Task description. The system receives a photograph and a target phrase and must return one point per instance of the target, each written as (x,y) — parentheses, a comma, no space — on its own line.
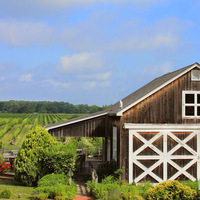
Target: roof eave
(120,113)
(73,122)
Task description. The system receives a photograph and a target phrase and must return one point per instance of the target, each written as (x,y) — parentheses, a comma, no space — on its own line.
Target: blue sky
(92,51)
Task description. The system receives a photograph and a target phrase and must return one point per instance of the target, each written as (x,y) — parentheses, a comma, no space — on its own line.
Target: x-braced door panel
(163,154)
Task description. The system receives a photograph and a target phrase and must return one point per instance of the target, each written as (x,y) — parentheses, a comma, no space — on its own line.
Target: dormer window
(191,104)
(195,75)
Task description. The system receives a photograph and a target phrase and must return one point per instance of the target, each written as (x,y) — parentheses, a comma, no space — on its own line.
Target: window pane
(189,110)
(189,98)
(198,110)
(198,98)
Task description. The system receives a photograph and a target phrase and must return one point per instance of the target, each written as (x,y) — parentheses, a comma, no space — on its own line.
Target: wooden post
(94,176)
(70,176)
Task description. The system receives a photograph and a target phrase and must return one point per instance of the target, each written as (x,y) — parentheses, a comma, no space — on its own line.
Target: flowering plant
(4,166)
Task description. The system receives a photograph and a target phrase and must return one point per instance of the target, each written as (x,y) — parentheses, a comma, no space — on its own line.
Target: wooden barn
(154,133)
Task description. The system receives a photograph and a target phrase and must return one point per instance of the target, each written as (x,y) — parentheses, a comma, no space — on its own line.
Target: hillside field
(14,126)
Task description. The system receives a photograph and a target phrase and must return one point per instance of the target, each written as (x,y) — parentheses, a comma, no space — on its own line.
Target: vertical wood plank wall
(164,106)
(96,127)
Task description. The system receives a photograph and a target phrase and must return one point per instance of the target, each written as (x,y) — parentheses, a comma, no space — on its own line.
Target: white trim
(130,157)
(73,122)
(120,113)
(158,127)
(198,158)
(195,104)
(163,156)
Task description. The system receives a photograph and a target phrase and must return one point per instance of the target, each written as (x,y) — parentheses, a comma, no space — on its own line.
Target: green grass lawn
(16,188)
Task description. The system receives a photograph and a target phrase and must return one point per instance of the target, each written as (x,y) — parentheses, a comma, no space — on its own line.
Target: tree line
(13,106)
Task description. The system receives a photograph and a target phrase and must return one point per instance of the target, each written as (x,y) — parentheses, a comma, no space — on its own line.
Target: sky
(93,52)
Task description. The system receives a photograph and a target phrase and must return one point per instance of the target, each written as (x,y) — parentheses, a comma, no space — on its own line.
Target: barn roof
(132,99)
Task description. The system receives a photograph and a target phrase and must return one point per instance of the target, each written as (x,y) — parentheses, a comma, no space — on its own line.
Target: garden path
(83,192)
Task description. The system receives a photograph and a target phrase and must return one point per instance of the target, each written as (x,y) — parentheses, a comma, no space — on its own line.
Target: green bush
(52,180)
(5,193)
(29,164)
(110,168)
(101,191)
(112,189)
(56,186)
(60,158)
(1,144)
(171,190)
(41,196)
(191,184)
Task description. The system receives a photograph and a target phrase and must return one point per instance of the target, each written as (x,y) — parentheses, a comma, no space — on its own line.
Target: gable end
(151,92)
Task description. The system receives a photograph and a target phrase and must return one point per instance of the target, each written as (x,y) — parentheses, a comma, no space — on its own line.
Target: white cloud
(157,70)
(80,63)
(65,3)
(132,35)
(90,85)
(105,83)
(20,33)
(95,34)
(61,3)
(100,76)
(26,77)
(86,70)
(43,8)
(165,33)
(57,84)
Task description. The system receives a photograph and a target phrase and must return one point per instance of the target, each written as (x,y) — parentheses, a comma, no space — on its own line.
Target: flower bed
(4,166)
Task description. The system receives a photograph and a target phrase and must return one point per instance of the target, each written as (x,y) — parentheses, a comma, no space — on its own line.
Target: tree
(29,166)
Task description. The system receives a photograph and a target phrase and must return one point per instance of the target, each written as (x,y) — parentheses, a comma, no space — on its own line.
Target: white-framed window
(191,104)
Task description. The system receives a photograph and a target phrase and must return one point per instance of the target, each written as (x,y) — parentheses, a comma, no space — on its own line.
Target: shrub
(101,191)
(137,197)
(144,188)
(110,189)
(110,168)
(60,158)
(1,144)
(56,186)
(135,192)
(52,180)
(29,166)
(171,190)
(41,196)
(5,193)
(191,184)
(113,195)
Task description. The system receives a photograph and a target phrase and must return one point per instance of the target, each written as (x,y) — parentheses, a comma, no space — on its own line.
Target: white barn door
(159,153)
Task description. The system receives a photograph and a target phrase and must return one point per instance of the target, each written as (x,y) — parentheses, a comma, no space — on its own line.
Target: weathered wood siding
(165,106)
(96,127)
